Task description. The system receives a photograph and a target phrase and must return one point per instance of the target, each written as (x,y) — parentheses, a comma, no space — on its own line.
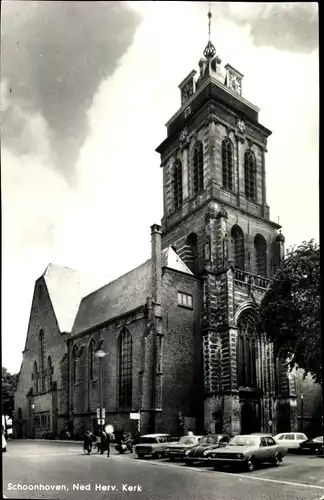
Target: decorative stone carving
(210,214)
(184,139)
(241,126)
(186,92)
(222,213)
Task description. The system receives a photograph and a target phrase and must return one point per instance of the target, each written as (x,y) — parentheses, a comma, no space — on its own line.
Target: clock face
(186,92)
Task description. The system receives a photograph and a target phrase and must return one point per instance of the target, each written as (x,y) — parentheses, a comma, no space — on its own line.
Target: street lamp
(301,412)
(101,354)
(33,417)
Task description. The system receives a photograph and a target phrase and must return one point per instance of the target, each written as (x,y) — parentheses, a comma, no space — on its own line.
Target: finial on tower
(210,50)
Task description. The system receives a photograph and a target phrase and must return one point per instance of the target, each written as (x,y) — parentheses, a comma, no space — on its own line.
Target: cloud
(284,26)
(54,57)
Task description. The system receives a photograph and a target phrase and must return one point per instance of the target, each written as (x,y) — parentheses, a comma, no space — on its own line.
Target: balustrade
(251,279)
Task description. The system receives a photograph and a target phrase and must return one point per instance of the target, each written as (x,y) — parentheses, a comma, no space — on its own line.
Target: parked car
(153,444)
(212,441)
(4,443)
(290,440)
(314,445)
(178,450)
(247,451)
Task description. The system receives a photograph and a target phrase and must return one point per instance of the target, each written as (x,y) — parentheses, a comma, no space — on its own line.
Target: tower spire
(210,50)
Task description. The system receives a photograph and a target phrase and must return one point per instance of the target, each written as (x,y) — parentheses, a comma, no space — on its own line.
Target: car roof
(261,434)
(253,435)
(154,435)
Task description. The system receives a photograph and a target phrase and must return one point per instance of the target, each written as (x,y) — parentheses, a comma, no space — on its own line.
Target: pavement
(60,470)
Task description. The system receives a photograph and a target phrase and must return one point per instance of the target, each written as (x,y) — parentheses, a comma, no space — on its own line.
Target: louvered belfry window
(260,250)
(249,175)
(227,164)
(198,168)
(247,350)
(91,359)
(238,247)
(125,359)
(177,184)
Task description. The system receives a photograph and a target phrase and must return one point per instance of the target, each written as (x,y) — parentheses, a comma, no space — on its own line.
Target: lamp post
(301,412)
(33,417)
(101,354)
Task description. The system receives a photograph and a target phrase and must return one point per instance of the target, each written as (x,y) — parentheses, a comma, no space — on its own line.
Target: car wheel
(4,449)
(187,462)
(140,456)
(157,455)
(171,459)
(250,464)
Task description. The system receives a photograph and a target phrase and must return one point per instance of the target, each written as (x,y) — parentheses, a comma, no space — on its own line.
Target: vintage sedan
(247,451)
(198,453)
(153,445)
(178,450)
(314,445)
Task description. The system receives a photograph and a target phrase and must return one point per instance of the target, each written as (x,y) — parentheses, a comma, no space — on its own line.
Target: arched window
(125,369)
(74,363)
(247,350)
(177,184)
(35,377)
(49,372)
(238,247)
(91,359)
(198,168)
(227,164)
(190,252)
(249,175)
(42,361)
(260,250)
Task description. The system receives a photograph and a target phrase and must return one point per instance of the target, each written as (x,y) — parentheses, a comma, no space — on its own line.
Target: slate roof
(66,287)
(122,295)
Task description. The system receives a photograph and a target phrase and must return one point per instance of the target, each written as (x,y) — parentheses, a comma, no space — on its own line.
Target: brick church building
(178,333)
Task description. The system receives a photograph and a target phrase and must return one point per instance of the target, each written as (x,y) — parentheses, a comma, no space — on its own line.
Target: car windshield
(244,441)
(209,440)
(148,440)
(188,440)
(319,439)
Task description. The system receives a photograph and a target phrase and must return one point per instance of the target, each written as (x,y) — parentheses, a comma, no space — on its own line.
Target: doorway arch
(249,421)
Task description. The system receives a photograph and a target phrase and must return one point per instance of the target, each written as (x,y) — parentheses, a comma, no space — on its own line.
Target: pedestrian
(108,445)
(103,438)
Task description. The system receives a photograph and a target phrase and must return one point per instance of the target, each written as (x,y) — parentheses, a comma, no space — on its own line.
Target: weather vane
(210,50)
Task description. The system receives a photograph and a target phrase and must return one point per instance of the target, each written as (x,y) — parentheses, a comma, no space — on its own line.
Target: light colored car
(4,443)
(178,449)
(209,442)
(153,444)
(247,451)
(290,440)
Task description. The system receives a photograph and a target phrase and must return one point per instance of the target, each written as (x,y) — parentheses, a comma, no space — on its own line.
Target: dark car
(314,445)
(212,441)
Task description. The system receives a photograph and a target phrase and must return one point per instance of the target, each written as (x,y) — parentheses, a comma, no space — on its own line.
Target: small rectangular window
(185,300)
(187,111)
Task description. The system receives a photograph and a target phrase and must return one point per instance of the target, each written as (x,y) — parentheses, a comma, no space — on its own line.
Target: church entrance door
(249,421)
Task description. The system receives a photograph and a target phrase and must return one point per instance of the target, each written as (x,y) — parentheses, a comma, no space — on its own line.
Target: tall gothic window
(260,250)
(125,369)
(91,359)
(42,360)
(238,247)
(247,350)
(198,168)
(177,184)
(227,164)
(35,378)
(49,372)
(74,363)
(249,175)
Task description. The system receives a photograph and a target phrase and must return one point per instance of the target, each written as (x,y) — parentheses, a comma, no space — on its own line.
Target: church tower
(217,219)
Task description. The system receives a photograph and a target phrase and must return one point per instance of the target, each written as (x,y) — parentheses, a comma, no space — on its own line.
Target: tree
(290,310)
(9,384)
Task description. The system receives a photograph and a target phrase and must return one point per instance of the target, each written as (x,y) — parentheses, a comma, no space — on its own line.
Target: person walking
(103,440)
(108,445)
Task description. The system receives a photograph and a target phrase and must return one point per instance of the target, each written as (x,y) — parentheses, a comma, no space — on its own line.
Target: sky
(86,90)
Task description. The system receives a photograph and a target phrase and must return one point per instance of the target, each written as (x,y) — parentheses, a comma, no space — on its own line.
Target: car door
(263,451)
(272,447)
(289,440)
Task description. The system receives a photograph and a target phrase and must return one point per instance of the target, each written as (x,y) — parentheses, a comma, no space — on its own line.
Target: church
(173,341)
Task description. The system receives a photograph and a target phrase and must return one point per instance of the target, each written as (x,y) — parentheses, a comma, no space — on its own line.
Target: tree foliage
(290,309)
(9,384)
